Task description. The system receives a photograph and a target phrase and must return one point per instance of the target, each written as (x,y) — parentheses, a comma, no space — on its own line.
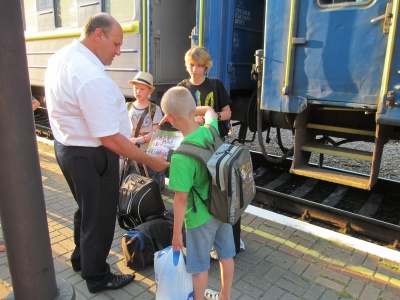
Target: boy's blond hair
(178,102)
(200,55)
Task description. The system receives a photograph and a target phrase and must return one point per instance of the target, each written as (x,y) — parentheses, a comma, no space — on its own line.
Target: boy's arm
(180,203)
(225,113)
(206,111)
(147,137)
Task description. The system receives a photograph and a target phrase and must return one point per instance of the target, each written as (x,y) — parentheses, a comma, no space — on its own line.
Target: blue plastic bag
(172,280)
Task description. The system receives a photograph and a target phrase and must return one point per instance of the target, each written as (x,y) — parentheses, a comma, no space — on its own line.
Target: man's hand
(35,104)
(158,163)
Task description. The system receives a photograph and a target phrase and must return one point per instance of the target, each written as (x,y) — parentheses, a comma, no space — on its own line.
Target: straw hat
(144,78)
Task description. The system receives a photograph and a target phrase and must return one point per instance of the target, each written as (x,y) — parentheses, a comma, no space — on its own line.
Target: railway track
(42,125)
(369,215)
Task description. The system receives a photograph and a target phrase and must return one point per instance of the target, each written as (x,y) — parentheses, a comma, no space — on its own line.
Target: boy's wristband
(140,140)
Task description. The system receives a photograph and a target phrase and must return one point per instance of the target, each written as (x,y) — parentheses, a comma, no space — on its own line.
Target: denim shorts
(200,240)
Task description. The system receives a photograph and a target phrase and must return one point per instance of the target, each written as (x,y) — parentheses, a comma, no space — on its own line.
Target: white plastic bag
(172,280)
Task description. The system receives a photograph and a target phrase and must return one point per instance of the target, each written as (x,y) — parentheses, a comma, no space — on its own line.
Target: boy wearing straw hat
(144,117)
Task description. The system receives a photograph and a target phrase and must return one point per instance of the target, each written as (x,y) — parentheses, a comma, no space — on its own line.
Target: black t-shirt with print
(203,94)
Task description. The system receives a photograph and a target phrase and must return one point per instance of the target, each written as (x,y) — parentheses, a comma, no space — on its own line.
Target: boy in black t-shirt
(207,91)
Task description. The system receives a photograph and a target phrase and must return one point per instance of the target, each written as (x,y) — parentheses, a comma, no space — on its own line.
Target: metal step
(354,180)
(340,129)
(337,151)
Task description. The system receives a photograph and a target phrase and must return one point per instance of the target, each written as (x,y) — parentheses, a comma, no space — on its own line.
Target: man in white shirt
(90,124)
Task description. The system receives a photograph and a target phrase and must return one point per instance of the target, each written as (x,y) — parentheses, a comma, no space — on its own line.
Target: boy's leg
(227,267)
(200,281)
(225,247)
(199,241)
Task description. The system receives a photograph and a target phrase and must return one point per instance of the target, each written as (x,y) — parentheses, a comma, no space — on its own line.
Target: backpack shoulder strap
(213,82)
(201,153)
(153,108)
(217,139)
(139,124)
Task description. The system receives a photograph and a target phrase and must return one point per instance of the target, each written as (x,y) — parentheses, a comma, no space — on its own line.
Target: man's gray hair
(102,20)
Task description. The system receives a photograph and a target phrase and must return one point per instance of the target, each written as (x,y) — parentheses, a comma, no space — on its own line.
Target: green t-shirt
(187,172)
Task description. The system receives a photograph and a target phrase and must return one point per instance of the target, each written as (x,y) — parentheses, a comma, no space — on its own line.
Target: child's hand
(177,242)
(199,120)
(134,140)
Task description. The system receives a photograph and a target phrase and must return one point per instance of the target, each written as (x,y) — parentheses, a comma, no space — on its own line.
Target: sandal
(211,294)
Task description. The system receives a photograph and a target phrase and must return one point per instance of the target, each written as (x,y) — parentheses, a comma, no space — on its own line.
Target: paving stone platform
(279,262)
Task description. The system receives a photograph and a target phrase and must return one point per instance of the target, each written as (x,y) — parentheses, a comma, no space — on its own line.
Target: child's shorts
(200,240)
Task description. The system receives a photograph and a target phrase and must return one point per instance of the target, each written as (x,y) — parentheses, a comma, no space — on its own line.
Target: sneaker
(214,253)
(242,246)
(211,294)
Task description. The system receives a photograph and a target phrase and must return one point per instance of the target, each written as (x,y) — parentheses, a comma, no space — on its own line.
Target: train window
(332,3)
(44,5)
(121,10)
(67,14)
(30,13)
(45,14)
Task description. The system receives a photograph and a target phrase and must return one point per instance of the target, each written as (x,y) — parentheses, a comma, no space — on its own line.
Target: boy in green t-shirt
(202,229)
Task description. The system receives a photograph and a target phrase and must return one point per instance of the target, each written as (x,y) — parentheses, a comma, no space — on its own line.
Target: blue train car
(333,66)
(323,70)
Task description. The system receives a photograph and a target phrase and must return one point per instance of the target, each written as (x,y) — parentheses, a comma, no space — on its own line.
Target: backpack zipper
(217,165)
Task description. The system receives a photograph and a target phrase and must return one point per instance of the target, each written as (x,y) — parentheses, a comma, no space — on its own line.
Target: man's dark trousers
(92,175)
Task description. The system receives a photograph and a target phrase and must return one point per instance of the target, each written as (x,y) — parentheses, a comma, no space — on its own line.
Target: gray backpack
(230,170)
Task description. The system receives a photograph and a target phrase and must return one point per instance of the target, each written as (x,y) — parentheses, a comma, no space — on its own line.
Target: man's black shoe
(118,281)
(76,267)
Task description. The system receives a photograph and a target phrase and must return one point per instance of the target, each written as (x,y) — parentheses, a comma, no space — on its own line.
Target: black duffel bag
(140,243)
(139,201)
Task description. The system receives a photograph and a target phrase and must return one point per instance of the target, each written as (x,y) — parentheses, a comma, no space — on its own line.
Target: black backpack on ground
(140,243)
(139,201)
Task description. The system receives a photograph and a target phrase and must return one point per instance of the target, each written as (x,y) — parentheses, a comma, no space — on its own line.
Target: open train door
(334,52)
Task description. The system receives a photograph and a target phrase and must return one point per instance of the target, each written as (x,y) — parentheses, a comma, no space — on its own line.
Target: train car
(323,70)
(331,67)
(156,36)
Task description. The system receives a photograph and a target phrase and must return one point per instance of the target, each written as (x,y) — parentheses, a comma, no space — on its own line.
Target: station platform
(283,258)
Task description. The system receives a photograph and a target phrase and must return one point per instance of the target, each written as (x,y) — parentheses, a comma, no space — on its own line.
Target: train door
(232,31)
(171,24)
(333,52)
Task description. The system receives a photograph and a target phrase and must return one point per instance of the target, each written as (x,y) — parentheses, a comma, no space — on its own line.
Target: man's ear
(98,34)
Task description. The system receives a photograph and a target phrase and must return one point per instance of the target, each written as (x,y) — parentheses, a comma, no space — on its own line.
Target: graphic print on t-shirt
(209,100)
